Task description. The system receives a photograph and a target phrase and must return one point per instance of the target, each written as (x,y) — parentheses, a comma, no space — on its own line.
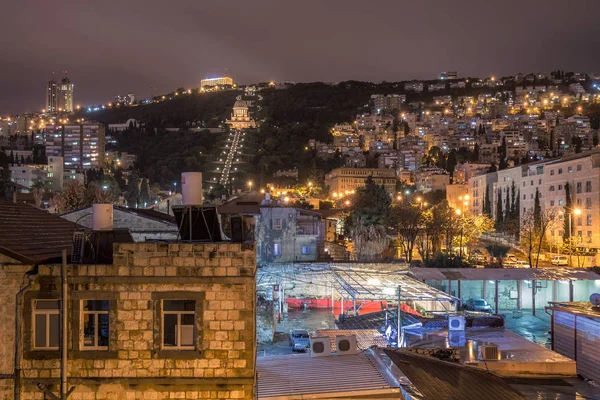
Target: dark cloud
(114,47)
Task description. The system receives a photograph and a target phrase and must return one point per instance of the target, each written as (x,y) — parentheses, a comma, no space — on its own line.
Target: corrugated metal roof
(467,274)
(440,380)
(302,376)
(31,235)
(365,338)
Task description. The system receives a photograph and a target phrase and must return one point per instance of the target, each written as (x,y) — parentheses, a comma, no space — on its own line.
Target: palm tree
(369,236)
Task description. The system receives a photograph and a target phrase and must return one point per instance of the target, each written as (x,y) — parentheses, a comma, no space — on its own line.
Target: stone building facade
(164,321)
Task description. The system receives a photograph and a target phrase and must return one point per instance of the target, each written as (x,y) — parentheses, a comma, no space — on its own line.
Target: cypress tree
(487,206)
(537,211)
(499,215)
(568,209)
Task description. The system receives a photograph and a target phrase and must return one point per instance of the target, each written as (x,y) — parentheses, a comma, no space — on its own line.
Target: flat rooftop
(300,376)
(479,274)
(518,356)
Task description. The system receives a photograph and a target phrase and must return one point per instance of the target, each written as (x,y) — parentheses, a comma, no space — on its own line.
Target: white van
(561,261)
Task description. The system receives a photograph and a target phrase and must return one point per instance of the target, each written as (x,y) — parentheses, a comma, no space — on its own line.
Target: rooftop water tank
(102,217)
(191,188)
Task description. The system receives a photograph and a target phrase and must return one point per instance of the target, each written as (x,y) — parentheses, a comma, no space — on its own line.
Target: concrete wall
(220,277)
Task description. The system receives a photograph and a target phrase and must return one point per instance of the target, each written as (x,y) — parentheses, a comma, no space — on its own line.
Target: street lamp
(250,185)
(458,212)
(576,211)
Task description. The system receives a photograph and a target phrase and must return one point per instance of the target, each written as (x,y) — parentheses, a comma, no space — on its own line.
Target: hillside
(210,108)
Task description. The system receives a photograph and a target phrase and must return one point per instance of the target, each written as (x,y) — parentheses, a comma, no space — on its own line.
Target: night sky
(114,47)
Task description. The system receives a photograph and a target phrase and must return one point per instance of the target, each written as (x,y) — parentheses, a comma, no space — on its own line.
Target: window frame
(47,312)
(170,353)
(179,314)
(96,314)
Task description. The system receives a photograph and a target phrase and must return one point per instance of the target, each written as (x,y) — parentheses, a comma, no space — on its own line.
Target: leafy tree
(367,224)
(533,231)
(407,218)
(71,198)
(302,203)
(498,251)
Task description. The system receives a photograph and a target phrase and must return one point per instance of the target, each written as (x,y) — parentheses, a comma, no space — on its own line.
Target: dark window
(179,326)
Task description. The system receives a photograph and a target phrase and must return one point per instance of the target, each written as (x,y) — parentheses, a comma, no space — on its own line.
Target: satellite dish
(595,299)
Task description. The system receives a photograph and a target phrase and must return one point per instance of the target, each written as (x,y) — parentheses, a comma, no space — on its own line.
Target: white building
(582,172)
(27,175)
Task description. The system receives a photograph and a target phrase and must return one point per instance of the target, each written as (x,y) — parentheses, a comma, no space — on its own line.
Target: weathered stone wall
(220,277)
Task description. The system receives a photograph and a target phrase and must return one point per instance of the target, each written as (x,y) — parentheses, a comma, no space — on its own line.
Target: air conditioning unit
(456,323)
(346,345)
(489,353)
(457,339)
(320,346)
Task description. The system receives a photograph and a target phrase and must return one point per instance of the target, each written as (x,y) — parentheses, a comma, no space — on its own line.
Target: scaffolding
(359,284)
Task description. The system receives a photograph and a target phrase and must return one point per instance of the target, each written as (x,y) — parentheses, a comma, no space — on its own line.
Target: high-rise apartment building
(52,96)
(65,98)
(59,96)
(81,146)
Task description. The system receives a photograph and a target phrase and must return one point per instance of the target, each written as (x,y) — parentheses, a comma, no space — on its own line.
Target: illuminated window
(276,249)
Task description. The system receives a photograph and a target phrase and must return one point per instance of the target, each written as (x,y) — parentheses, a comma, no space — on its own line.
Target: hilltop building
(240,118)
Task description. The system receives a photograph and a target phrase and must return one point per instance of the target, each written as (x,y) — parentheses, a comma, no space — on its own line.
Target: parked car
(561,261)
(299,340)
(478,257)
(477,304)
(509,263)
(522,264)
(511,257)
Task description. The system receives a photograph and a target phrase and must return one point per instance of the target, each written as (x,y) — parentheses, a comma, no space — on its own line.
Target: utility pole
(64,391)
(398,341)
(63,328)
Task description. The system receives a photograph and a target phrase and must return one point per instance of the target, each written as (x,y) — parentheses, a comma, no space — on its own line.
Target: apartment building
(346,179)
(27,175)
(386,103)
(80,145)
(582,173)
(477,188)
